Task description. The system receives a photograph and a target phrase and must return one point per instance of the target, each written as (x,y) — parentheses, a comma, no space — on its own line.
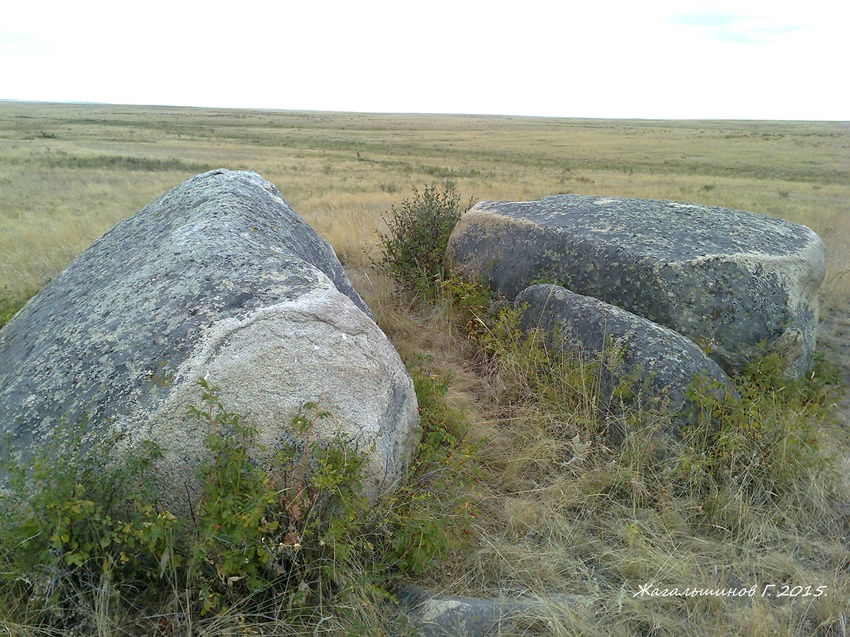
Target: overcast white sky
(741,59)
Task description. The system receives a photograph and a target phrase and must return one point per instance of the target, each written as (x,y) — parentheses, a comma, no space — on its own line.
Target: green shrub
(227,551)
(285,524)
(288,532)
(292,521)
(75,515)
(415,246)
(764,439)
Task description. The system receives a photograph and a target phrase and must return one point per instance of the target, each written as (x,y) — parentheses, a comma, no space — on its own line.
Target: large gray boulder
(216,279)
(652,363)
(739,284)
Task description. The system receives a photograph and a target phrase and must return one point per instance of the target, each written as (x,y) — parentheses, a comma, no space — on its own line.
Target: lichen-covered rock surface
(739,284)
(652,364)
(216,279)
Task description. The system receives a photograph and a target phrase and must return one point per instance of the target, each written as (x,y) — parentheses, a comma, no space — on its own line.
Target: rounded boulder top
(669,230)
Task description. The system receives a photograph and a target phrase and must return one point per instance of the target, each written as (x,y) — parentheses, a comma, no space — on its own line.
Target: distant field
(69,172)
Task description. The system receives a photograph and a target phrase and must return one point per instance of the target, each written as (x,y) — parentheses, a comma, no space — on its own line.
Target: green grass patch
(9,308)
(122,163)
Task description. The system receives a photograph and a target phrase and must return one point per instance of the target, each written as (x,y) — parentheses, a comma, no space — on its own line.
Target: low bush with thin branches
(414,247)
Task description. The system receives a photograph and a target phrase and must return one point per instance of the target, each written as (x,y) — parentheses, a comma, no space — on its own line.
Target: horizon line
(419,113)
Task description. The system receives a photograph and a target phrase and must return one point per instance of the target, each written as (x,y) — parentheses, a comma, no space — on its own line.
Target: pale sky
(725,59)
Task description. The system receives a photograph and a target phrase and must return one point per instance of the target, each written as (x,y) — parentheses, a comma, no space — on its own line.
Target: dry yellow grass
(64,178)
